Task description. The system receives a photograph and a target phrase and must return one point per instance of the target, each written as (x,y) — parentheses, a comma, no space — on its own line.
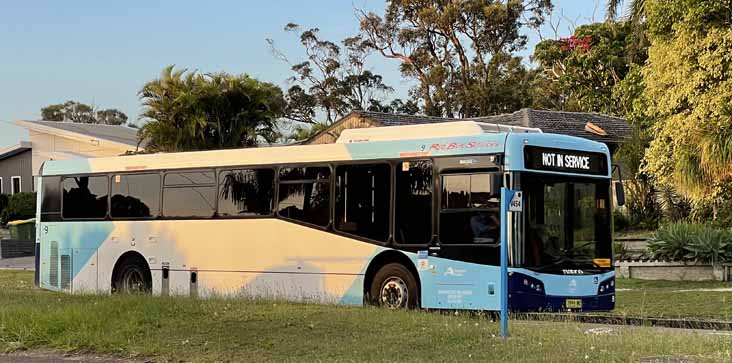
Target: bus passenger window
(362,200)
(189,194)
(305,195)
(413,204)
(85,197)
(135,196)
(246,192)
(470,209)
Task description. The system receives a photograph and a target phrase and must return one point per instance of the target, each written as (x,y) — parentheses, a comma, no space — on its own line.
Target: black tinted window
(85,197)
(246,192)
(470,208)
(362,200)
(305,195)
(413,205)
(135,196)
(189,194)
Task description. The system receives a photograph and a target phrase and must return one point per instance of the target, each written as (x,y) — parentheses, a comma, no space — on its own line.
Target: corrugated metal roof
(120,134)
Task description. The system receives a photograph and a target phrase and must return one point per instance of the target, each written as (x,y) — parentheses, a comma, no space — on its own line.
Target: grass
(663,299)
(184,329)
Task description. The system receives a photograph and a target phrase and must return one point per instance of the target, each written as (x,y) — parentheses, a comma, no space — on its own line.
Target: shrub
(3,202)
(20,206)
(709,245)
(620,221)
(620,252)
(670,241)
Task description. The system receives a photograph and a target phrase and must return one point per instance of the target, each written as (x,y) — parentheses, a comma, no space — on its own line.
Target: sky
(101,53)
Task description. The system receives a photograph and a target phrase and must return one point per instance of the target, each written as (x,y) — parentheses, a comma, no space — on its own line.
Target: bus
(401,217)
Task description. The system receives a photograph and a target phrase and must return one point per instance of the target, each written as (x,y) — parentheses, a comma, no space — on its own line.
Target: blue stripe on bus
(478,144)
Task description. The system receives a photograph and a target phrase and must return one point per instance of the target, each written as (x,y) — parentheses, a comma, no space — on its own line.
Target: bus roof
(434,143)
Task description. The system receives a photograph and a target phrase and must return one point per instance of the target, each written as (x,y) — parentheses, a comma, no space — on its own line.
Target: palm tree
(635,13)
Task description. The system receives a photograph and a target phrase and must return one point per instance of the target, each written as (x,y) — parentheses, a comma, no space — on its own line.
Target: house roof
(560,122)
(113,133)
(14,149)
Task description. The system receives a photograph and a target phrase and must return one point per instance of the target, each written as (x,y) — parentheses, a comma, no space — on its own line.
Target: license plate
(573,303)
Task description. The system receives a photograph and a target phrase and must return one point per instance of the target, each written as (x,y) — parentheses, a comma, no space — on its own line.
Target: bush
(709,245)
(3,202)
(20,206)
(620,221)
(670,241)
(620,252)
(691,242)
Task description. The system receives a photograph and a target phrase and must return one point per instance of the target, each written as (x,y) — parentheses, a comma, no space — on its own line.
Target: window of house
(135,196)
(362,200)
(246,192)
(304,194)
(15,185)
(413,202)
(85,196)
(188,194)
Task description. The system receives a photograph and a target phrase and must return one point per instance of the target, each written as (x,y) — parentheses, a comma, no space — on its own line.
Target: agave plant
(670,242)
(709,245)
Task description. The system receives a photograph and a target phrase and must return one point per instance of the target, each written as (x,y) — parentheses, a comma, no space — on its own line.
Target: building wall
(17,165)
(330,135)
(53,147)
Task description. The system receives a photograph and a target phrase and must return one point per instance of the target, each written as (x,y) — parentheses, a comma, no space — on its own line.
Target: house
(15,169)
(55,140)
(594,126)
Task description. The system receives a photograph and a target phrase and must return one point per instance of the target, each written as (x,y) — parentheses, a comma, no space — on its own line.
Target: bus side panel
(450,284)
(253,257)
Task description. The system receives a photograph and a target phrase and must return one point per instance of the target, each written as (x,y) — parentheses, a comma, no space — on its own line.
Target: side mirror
(620,193)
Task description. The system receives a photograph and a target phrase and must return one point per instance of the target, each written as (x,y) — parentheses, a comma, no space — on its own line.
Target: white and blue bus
(403,216)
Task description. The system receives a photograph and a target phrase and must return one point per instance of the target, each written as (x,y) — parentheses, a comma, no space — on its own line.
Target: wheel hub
(394,293)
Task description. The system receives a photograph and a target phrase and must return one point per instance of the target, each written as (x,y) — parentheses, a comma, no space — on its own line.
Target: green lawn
(663,299)
(184,329)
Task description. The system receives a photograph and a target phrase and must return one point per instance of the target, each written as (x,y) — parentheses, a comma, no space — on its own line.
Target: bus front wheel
(132,276)
(394,287)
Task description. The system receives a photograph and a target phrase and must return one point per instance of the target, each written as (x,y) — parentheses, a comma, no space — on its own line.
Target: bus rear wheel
(132,276)
(394,287)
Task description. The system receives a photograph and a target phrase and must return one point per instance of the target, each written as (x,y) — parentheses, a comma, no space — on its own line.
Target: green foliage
(710,245)
(671,240)
(691,242)
(79,112)
(195,111)
(332,81)
(20,206)
(581,71)
(620,220)
(3,202)
(620,251)
(460,53)
(689,79)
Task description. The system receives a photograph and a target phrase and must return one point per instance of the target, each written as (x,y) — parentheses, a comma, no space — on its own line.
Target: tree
(635,11)
(580,72)
(689,84)
(74,111)
(195,111)
(459,52)
(333,80)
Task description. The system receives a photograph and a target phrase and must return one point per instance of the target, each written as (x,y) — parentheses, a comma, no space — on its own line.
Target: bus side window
(413,202)
(51,198)
(246,192)
(85,197)
(362,200)
(305,194)
(189,194)
(135,196)
(469,212)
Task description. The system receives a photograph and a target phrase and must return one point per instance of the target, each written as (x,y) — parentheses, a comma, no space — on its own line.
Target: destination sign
(562,160)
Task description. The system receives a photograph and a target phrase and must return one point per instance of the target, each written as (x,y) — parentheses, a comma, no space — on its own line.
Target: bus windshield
(567,224)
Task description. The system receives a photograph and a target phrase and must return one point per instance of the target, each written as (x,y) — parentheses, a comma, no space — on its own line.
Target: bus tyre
(132,276)
(394,287)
